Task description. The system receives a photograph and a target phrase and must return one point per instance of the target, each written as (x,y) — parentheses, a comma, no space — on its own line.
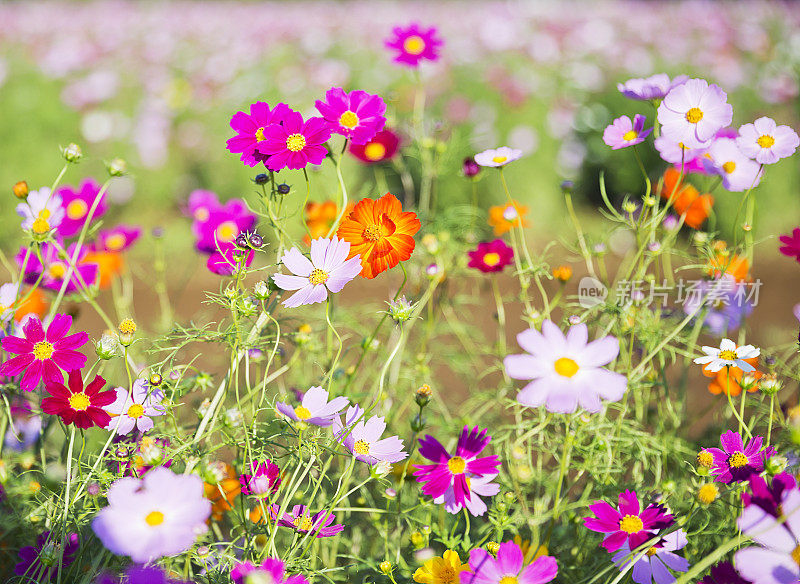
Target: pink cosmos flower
(265,480)
(508,566)
(627,524)
(738,172)
(315,408)
(272,569)
(77,203)
(414,44)
(383,146)
(222,225)
(357,115)
(693,112)
(623,133)
(135,412)
(492,256)
(690,159)
(226,259)
(117,238)
(737,461)
(327,270)
(295,143)
(653,87)
(457,472)
(363,439)
(496,158)
(41,355)
(791,244)
(767,142)
(55,268)
(654,566)
(201,203)
(566,369)
(302,521)
(251,130)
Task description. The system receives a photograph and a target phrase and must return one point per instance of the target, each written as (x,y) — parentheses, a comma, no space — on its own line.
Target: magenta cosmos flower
(265,480)
(627,524)
(653,87)
(302,521)
(791,244)
(117,238)
(458,471)
(228,258)
(383,146)
(414,44)
(272,570)
(41,354)
(774,559)
(693,112)
(566,370)
(201,203)
(250,130)
(31,566)
(328,270)
(363,439)
(77,203)
(222,225)
(159,515)
(738,172)
(492,256)
(315,408)
(508,566)
(623,132)
(737,461)
(767,142)
(54,268)
(295,143)
(358,115)
(135,412)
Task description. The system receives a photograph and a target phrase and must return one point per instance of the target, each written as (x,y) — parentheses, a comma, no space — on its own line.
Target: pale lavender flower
(129,412)
(653,87)
(315,408)
(498,157)
(656,563)
(738,172)
(693,112)
(364,441)
(766,142)
(623,132)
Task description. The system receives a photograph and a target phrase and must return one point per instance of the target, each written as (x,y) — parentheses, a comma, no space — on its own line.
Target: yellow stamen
(737,460)
(491,259)
(630,135)
(728,355)
(499,159)
(302,413)
(115,242)
(135,411)
(372,233)
(154,518)
(43,350)
(57,270)
(765,141)
(77,209)
(361,447)
(631,524)
(374,151)
(694,115)
(296,142)
(79,402)
(414,45)
(317,276)
(729,166)
(457,465)
(227,231)
(260,135)
(348,120)
(566,367)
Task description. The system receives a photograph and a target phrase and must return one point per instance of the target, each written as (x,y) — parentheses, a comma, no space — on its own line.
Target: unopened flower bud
(93,489)
(770,384)
(400,310)
(423,395)
(470,168)
(261,179)
(107,347)
(562,273)
(155,380)
(241,241)
(255,241)
(492,547)
(629,207)
(776,464)
(21,189)
(418,423)
(567,186)
(417,540)
(705,458)
(385,567)
(261,290)
(117,167)
(72,153)
(127,328)
(283,189)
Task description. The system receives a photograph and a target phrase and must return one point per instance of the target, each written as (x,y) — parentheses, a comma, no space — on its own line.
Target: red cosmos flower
(382,146)
(78,405)
(491,256)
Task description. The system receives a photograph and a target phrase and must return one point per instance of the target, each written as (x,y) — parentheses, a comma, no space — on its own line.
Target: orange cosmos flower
(686,199)
(505,217)
(31,301)
(320,218)
(109,264)
(725,262)
(224,491)
(381,232)
(720,383)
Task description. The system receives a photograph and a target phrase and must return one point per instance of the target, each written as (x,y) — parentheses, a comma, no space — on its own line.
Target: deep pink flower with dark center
(30,564)
(724,573)
(117,238)
(768,496)
(491,256)
(223,225)
(791,244)
(628,523)
(77,203)
(303,522)
(358,115)
(265,480)
(736,461)
(458,470)
(251,130)
(79,405)
(383,146)
(226,260)
(41,355)
(272,570)
(295,143)
(414,44)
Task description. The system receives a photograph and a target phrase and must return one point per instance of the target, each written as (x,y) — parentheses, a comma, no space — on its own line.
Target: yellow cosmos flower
(444,570)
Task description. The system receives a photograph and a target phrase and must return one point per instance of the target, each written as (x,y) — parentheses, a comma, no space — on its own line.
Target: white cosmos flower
(728,355)
(499,157)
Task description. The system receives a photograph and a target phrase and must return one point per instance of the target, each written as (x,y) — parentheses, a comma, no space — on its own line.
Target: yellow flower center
(705,458)
(728,355)
(447,575)
(202,214)
(374,151)
(765,141)
(57,270)
(491,258)
(361,447)
(796,555)
(40,226)
(317,276)
(737,460)
(457,465)
(694,115)
(707,493)
(127,326)
(372,233)
(43,350)
(115,242)
(260,134)
(227,231)
(499,159)
(135,411)
(508,580)
(348,119)
(303,523)
(631,524)
(414,45)
(79,402)
(566,367)
(77,209)
(302,413)
(652,551)
(296,142)
(630,135)
(729,166)
(154,518)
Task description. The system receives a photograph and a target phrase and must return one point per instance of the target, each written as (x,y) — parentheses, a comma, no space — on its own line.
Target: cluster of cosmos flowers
(152,507)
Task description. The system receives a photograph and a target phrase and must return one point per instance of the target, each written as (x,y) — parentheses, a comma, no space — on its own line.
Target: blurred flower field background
(391,292)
